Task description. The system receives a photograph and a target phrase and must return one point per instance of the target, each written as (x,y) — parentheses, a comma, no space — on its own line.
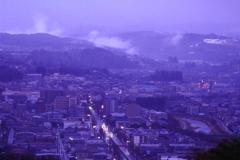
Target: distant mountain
(86,58)
(186,46)
(99,57)
(53,51)
(41,40)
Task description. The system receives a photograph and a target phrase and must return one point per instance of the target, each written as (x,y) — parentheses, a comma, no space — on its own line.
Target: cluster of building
(49,116)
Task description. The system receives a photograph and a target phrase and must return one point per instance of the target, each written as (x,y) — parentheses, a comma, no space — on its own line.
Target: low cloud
(174,39)
(113,42)
(40,25)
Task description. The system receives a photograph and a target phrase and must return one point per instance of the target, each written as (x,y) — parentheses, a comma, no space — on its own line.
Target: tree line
(165,75)
(155,103)
(8,74)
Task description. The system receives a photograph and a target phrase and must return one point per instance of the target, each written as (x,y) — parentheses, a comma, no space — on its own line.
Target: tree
(156,103)
(8,74)
(134,125)
(227,149)
(155,125)
(167,76)
(173,60)
(41,70)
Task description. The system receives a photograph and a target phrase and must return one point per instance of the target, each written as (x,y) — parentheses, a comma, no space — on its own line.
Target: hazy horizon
(72,17)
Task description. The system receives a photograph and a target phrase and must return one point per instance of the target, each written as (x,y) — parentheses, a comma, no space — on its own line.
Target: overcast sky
(113,16)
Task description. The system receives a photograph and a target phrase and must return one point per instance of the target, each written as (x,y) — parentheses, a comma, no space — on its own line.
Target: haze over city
(64,18)
(119,79)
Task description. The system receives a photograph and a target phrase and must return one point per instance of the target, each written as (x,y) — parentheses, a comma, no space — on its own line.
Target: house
(139,138)
(102,156)
(82,154)
(25,136)
(168,156)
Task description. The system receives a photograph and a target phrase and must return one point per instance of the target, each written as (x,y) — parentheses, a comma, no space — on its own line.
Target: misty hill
(86,58)
(40,40)
(53,51)
(186,46)
(99,57)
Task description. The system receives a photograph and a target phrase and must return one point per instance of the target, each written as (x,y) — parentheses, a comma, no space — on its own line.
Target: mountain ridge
(190,46)
(151,45)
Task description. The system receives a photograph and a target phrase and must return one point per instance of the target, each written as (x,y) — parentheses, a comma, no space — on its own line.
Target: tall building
(17,99)
(132,110)
(41,105)
(110,105)
(193,110)
(6,106)
(21,107)
(76,111)
(50,94)
(61,103)
(72,101)
(133,113)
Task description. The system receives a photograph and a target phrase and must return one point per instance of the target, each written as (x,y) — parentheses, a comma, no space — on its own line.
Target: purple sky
(63,17)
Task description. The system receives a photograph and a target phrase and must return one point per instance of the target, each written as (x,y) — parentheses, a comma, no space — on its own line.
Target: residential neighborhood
(104,117)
